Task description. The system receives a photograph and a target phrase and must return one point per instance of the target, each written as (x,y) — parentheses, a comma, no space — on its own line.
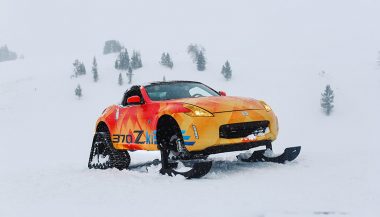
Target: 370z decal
(129,138)
(150,138)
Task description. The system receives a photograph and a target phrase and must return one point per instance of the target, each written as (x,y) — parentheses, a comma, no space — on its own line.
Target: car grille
(240,130)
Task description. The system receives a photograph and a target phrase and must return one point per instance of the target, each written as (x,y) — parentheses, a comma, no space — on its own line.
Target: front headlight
(266,106)
(196,111)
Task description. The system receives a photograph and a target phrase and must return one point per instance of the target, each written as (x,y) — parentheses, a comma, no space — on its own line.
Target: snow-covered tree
(327,100)
(227,71)
(163,59)
(122,61)
(201,61)
(140,65)
(136,60)
(120,80)
(78,91)
(112,46)
(117,64)
(79,68)
(169,61)
(6,54)
(193,50)
(197,54)
(166,60)
(129,75)
(95,70)
(164,79)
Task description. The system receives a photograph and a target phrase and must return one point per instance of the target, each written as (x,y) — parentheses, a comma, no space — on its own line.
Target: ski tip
(199,170)
(292,153)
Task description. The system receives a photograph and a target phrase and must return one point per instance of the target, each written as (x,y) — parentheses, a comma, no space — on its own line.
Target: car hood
(224,103)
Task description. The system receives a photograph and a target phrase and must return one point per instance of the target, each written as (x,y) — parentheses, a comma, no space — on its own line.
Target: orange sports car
(187,121)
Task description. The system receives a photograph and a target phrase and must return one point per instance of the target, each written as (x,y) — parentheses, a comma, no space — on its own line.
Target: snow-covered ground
(277,50)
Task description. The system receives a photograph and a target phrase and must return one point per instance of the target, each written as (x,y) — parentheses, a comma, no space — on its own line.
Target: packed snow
(100,160)
(284,52)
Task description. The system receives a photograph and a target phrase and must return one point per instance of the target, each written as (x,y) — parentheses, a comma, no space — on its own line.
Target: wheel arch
(164,124)
(102,127)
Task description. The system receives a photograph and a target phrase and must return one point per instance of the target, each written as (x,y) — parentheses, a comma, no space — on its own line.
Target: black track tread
(118,159)
(198,170)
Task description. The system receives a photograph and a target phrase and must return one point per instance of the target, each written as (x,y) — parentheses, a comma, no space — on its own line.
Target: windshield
(178,90)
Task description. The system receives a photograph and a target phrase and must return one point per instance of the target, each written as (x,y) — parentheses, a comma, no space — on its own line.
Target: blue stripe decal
(186,138)
(189,143)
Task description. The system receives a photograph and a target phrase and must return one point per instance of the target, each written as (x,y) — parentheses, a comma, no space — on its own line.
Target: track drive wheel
(104,156)
(173,144)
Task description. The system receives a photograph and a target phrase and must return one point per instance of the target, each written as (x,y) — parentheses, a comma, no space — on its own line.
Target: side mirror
(222,93)
(133,100)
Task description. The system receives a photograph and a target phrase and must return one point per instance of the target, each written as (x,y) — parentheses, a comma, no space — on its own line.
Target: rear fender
(109,118)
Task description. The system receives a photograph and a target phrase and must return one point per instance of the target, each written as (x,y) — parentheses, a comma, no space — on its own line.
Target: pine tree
(6,54)
(166,60)
(197,54)
(327,100)
(164,79)
(76,67)
(129,75)
(136,60)
(163,59)
(79,68)
(139,63)
(82,69)
(193,50)
(95,70)
(120,81)
(78,91)
(201,61)
(112,46)
(227,71)
(117,64)
(169,61)
(122,61)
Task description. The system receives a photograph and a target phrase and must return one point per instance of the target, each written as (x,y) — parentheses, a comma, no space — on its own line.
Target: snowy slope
(277,50)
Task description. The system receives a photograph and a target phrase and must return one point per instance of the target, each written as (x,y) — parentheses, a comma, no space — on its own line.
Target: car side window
(196,91)
(134,91)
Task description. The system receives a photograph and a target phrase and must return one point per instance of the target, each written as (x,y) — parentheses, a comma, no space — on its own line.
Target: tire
(174,144)
(104,156)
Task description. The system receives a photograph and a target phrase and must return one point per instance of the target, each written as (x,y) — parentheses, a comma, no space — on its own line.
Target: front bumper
(202,133)
(232,147)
